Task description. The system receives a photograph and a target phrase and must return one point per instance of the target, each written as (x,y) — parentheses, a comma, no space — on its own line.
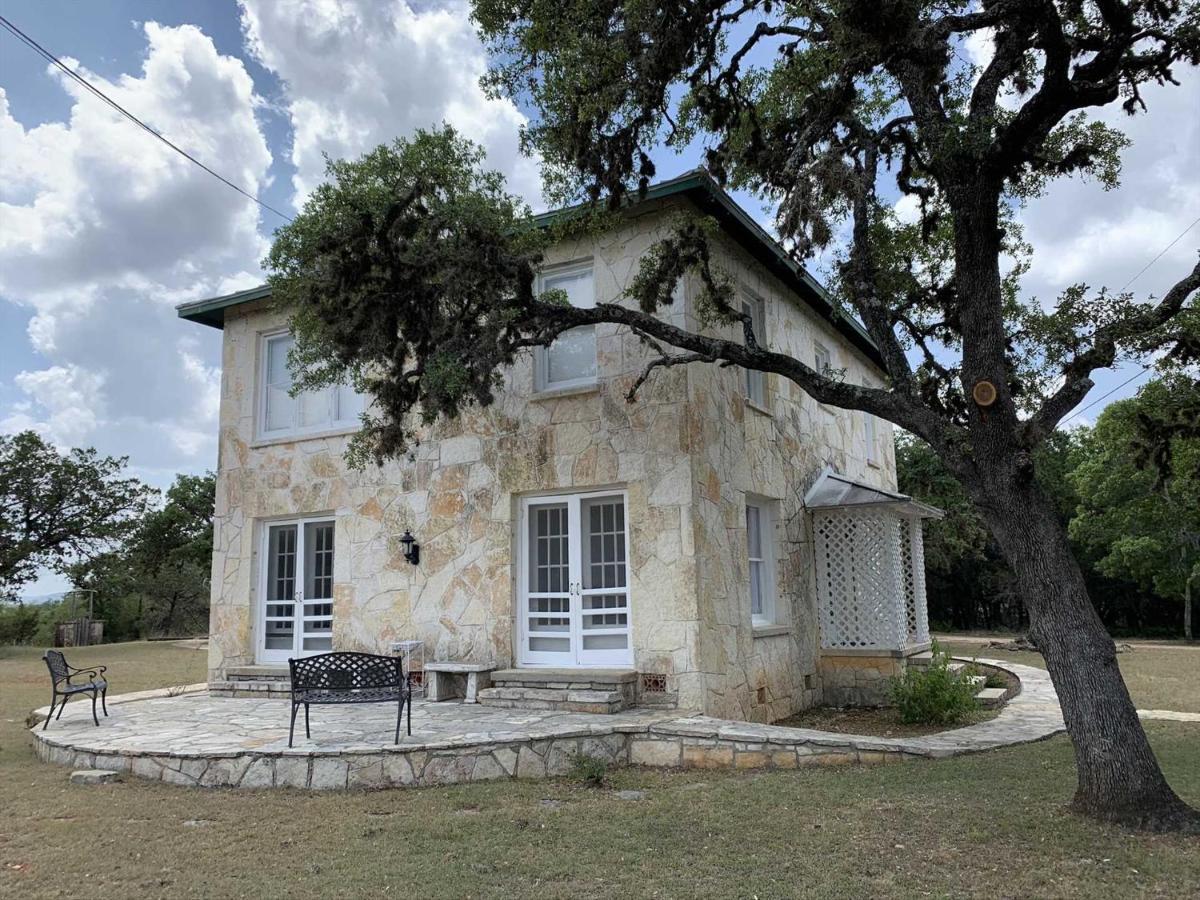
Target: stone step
(558,675)
(250,687)
(991,696)
(568,700)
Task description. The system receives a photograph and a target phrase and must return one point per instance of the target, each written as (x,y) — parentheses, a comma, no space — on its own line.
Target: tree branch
(1101,354)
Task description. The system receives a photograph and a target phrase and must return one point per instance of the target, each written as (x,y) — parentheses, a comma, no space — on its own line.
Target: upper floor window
(872,436)
(760,535)
(756,390)
(571,360)
(309,412)
(822,361)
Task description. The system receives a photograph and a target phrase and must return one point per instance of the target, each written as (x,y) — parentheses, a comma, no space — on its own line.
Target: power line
(1080,412)
(1144,368)
(54,60)
(1161,253)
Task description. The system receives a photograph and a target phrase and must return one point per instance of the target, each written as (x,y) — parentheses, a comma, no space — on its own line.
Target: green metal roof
(699,187)
(212,311)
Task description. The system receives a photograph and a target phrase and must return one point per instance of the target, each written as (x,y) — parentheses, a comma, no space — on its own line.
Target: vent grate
(654,683)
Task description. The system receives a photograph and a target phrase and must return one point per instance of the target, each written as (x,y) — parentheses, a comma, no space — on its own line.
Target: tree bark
(1119,777)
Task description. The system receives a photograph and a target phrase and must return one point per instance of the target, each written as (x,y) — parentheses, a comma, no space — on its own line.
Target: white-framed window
(760,546)
(756,381)
(872,437)
(571,360)
(310,412)
(822,359)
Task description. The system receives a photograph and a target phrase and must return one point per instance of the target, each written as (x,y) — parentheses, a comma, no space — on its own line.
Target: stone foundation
(863,677)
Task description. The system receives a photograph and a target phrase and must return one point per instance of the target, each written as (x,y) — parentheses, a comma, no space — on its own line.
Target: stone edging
(687,742)
(38,716)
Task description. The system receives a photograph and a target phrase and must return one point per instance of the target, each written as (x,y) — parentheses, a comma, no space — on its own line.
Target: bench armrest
(92,673)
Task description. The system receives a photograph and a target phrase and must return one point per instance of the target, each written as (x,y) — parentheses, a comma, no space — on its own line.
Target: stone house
(724,544)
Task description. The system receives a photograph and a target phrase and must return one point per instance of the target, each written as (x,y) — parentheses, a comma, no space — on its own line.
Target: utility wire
(54,60)
(1144,368)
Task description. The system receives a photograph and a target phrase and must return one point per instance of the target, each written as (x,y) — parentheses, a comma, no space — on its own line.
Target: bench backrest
(346,671)
(57,664)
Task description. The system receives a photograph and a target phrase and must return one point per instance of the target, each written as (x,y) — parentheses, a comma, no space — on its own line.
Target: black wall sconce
(412,550)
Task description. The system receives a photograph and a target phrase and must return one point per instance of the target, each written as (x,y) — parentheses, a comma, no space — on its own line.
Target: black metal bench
(60,683)
(349,678)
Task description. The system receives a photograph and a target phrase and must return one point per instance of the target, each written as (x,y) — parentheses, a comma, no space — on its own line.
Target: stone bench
(443,680)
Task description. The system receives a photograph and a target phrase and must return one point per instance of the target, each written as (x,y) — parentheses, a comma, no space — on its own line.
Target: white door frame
(261,653)
(573,659)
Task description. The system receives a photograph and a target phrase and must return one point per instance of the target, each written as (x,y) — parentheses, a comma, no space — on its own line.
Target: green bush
(934,695)
(994,680)
(18,623)
(591,771)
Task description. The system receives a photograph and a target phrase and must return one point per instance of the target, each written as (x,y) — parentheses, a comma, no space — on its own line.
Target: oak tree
(57,508)
(412,271)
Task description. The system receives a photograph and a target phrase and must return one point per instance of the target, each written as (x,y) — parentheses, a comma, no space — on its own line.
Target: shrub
(935,694)
(18,623)
(994,680)
(591,771)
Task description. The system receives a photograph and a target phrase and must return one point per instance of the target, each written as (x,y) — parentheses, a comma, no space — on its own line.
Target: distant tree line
(146,555)
(1128,491)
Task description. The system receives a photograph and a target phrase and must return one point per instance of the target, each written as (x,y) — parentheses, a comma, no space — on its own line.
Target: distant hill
(39,599)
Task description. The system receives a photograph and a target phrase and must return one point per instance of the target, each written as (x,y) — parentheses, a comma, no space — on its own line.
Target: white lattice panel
(913,572)
(860,582)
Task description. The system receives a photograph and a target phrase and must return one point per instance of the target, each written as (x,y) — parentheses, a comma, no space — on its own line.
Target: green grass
(982,826)
(1158,676)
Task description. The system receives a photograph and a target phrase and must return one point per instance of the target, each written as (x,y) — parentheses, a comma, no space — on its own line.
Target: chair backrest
(346,671)
(57,664)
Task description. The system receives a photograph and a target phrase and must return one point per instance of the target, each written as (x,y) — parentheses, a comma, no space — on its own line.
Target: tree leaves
(55,508)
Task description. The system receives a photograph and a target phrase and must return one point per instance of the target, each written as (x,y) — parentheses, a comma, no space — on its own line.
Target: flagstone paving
(196,738)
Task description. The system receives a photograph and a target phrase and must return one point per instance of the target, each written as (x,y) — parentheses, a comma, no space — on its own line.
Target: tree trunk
(1119,778)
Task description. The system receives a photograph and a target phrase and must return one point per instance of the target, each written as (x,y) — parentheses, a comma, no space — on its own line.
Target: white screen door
(297,590)
(574,598)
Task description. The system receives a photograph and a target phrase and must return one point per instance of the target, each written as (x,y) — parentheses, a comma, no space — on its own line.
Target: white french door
(574,586)
(297,589)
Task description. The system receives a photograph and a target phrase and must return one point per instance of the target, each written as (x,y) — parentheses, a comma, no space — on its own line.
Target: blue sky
(103,231)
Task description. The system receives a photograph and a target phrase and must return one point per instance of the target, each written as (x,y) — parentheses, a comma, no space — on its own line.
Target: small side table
(414,652)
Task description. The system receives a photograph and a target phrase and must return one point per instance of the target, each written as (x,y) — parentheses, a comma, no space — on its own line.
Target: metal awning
(834,491)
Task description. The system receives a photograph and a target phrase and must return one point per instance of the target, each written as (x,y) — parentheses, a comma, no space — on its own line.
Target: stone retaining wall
(686,742)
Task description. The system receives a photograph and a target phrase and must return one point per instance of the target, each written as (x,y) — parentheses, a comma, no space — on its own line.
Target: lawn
(1159,676)
(986,826)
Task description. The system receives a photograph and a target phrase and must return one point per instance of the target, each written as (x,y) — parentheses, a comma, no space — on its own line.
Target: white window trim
(261,655)
(264,436)
(831,365)
(871,436)
(522,546)
(766,528)
(758,316)
(541,356)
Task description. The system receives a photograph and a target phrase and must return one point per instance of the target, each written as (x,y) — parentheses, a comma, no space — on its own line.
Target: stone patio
(195,738)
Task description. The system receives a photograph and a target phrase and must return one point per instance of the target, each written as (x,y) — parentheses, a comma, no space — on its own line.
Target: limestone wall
(686,453)
(459,494)
(774,451)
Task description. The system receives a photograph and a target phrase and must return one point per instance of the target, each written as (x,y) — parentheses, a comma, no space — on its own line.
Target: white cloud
(71,397)
(103,229)
(1081,233)
(358,74)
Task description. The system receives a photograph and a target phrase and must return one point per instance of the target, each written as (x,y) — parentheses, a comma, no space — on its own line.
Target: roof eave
(211,311)
(698,186)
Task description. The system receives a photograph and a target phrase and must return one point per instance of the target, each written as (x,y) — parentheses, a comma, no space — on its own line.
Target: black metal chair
(349,678)
(60,678)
